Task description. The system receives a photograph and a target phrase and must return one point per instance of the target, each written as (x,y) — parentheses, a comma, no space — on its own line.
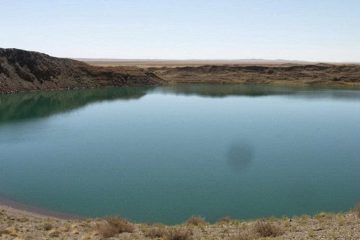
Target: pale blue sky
(322,30)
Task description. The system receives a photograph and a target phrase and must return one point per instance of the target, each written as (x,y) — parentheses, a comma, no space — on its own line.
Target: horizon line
(210,60)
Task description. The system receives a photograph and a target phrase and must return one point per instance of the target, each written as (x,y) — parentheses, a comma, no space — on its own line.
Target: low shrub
(121,225)
(179,234)
(266,229)
(246,235)
(106,230)
(225,220)
(156,232)
(196,221)
(47,226)
(357,210)
(114,225)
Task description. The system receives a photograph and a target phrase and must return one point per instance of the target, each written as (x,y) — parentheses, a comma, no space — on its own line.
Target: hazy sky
(320,30)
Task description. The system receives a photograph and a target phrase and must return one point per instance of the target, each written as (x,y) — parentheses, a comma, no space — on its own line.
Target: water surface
(163,154)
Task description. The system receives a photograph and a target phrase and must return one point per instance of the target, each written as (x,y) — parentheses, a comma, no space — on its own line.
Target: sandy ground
(22,224)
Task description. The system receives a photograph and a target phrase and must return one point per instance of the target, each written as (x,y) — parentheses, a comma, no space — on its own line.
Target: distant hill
(185,63)
(244,71)
(26,70)
(300,74)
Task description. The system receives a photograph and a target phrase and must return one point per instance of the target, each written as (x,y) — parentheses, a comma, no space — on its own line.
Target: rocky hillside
(24,70)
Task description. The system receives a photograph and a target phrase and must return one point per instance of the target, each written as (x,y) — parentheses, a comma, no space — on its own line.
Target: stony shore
(20,224)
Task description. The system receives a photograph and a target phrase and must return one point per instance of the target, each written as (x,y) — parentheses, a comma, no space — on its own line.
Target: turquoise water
(163,154)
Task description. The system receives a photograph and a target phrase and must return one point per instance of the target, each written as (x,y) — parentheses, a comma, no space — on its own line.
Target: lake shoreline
(15,208)
(25,224)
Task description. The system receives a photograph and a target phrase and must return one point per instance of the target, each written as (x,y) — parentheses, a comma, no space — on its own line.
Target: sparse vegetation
(156,232)
(311,233)
(3,231)
(321,226)
(106,230)
(54,233)
(322,217)
(114,225)
(47,226)
(340,220)
(196,221)
(244,235)
(357,210)
(267,229)
(122,225)
(179,234)
(225,220)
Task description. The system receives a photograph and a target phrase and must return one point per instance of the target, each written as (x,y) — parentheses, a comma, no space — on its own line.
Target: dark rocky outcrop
(25,70)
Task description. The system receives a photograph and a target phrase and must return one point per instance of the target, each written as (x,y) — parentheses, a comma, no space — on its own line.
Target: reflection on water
(225,90)
(23,106)
(240,155)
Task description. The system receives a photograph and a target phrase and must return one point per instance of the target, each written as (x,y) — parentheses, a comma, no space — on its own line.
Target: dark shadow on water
(240,155)
(25,106)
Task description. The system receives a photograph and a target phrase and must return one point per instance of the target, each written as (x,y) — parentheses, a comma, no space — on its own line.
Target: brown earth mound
(25,70)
